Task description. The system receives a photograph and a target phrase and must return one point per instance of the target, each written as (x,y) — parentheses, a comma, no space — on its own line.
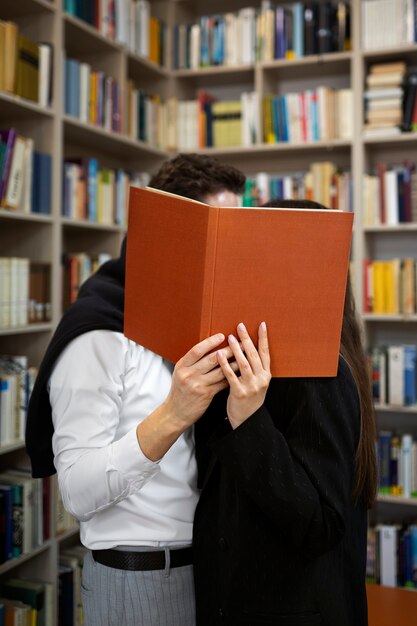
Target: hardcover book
(193,270)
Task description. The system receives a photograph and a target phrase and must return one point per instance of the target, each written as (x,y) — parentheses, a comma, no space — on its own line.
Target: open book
(193,270)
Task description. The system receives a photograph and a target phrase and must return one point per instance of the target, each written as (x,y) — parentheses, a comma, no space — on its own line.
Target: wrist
(158,432)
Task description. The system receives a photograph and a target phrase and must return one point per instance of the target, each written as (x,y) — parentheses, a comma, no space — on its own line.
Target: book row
(390,286)
(24,292)
(390,194)
(32,602)
(16,384)
(29,507)
(394,375)
(77,268)
(92,96)
(397,464)
(98,194)
(128,22)
(251,34)
(388,23)
(322,183)
(25,65)
(320,114)
(392,555)
(25,174)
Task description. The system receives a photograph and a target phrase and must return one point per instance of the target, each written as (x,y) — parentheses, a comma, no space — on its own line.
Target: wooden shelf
(45,327)
(389,408)
(12,563)
(12,447)
(385,229)
(397,500)
(27,217)
(78,132)
(14,107)
(86,38)
(330,58)
(399,140)
(371,317)
(11,9)
(69,223)
(266,148)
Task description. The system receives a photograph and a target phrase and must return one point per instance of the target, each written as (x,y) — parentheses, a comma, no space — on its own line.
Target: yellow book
(269,135)
(154,40)
(391,286)
(10,58)
(27,69)
(379,282)
(408,281)
(2,53)
(93,89)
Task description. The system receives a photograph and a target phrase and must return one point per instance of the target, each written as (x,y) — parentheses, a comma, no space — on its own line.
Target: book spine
(209,273)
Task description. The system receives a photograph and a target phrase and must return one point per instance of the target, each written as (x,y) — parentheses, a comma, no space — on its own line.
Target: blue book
(92,175)
(314,113)
(384,464)
(72,96)
(410,375)
(275,118)
(413,532)
(279,33)
(7,547)
(205,47)
(45,183)
(298,29)
(284,114)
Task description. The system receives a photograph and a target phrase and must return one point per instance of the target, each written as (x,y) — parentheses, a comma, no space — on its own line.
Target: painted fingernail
(232,339)
(242,327)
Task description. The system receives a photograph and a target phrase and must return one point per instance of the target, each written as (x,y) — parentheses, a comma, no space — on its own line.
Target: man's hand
(196,379)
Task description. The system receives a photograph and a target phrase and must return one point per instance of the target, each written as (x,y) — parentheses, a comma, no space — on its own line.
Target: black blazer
(277,538)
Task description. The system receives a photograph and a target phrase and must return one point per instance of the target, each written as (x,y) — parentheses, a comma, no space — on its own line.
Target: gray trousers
(113,597)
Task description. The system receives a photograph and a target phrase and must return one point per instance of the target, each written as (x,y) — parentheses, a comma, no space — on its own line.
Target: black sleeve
(301,481)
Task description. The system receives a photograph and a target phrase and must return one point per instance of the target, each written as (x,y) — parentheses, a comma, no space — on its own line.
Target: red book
(193,270)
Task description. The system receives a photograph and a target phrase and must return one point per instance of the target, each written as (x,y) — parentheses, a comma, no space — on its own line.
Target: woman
(280,528)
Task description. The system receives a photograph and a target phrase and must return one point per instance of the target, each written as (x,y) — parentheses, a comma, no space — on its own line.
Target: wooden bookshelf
(46,238)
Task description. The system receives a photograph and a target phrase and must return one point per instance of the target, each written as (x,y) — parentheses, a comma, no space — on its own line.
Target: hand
(196,379)
(247,391)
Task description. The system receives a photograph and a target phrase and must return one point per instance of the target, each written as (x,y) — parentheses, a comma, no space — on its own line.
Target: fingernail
(232,339)
(220,354)
(220,336)
(263,325)
(242,327)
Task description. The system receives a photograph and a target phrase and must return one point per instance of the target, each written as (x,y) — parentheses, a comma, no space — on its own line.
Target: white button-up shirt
(102,386)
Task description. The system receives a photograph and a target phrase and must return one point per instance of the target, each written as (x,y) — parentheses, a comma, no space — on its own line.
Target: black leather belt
(143,561)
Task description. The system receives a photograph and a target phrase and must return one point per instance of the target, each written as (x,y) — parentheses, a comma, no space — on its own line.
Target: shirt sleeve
(301,480)
(96,466)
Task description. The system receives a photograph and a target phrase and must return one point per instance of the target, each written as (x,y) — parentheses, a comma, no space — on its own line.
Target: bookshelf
(46,239)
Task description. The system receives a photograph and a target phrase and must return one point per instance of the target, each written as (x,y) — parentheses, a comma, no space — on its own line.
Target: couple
(207,492)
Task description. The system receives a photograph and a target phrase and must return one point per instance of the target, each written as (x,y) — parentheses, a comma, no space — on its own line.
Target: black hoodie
(99,306)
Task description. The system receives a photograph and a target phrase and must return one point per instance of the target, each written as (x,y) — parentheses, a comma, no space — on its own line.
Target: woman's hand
(247,391)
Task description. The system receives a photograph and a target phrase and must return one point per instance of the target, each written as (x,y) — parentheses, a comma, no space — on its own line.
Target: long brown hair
(353,352)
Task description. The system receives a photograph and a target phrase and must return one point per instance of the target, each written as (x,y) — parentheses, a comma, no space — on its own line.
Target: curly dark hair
(196,176)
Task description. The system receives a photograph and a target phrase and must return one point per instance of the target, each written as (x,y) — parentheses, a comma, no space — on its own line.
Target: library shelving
(47,239)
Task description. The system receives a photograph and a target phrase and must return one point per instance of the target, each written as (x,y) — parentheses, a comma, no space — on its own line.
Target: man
(115,421)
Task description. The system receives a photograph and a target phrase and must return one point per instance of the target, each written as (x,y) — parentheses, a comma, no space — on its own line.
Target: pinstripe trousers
(114,597)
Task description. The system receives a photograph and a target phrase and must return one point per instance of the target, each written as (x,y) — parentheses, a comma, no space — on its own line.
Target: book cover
(27,69)
(193,270)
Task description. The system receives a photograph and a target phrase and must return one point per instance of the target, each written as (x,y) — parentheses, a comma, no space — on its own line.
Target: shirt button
(222,544)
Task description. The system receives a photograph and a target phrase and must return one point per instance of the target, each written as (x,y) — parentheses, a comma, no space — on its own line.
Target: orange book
(193,270)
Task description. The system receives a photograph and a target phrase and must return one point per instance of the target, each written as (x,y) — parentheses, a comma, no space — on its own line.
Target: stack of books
(387,23)
(394,375)
(390,286)
(384,99)
(390,194)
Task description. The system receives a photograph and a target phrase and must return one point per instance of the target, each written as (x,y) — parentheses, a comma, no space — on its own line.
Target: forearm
(92,479)
(158,432)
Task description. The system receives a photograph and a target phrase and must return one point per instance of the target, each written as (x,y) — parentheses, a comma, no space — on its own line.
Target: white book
(391,197)
(195,46)
(14,292)
(142,15)
(23,291)
(121,9)
(388,548)
(26,195)
(344,98)
(262,184)
(45,69)
(132,25)
(7,407)
(406,460)
(414,468)
(231,39)
(247,18)
(85,73)
(15,180)
(396,375)
(5,294)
